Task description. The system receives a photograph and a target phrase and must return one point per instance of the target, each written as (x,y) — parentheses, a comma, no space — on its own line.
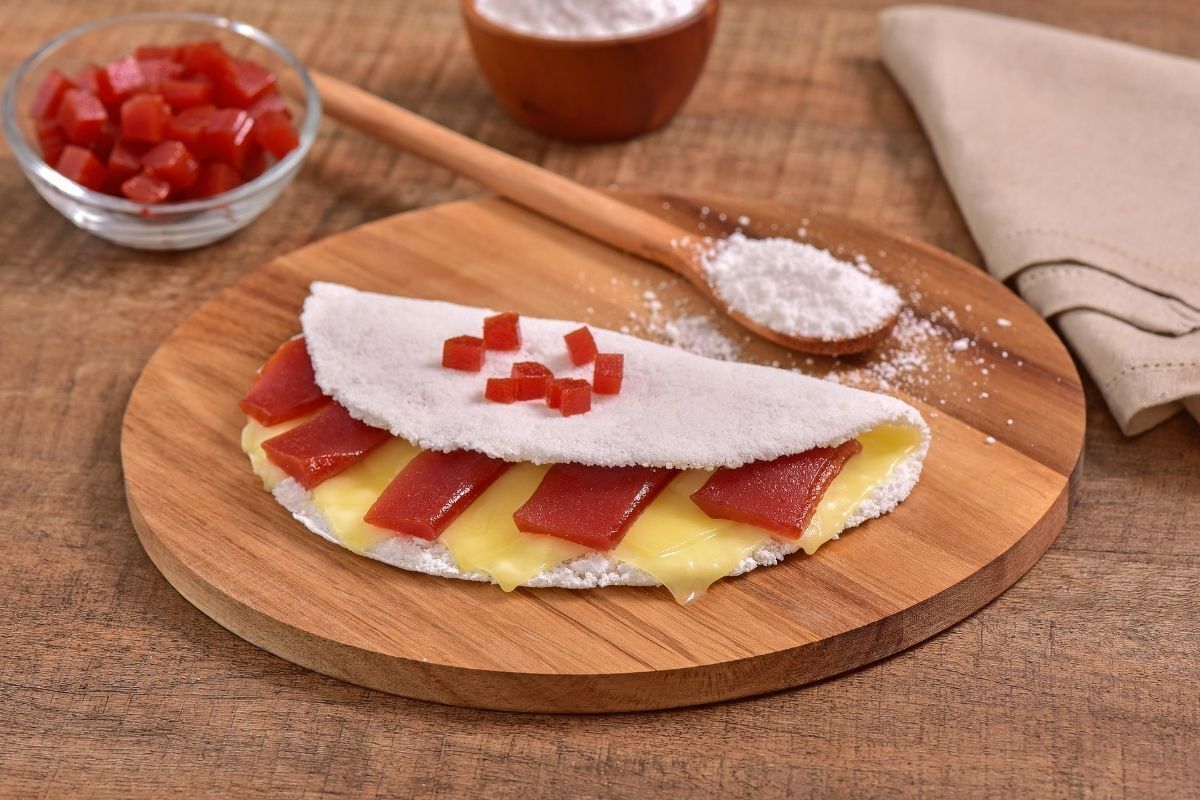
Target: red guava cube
(214,179)
(146,189)
(81,116)
(276,133)
(125,160)
(270,102)
(575,399)
(144,118)
(555,388)
(180,94)
(81,165)
(256,161)
(51,139)
(501,390)
(120,80)
(173,163)
(158,71)
(207,58)
(227,137)
(502,331)
(188,125)
(243,84)
(533,379)
(463,353)
(581,346)
(49,95)
(103,145)
(87,79)
(608,373)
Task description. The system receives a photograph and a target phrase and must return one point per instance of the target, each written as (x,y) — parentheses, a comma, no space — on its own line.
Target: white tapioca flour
(797,289)
(585,19)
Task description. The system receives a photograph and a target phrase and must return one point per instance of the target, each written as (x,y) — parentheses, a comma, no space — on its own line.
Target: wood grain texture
(1083,680)
(981,515)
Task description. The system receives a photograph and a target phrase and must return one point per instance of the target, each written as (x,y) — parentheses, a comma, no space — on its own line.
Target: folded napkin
(1076,162)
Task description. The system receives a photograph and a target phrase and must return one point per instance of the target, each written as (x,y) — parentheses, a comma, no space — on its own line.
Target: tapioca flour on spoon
(798,290)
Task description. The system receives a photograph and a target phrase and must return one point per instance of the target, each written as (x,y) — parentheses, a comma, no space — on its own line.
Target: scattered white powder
(1004,323)
(797,289)
(696,333)
(903,361)
(585,19)
(990,440)
(699,334)
(920,358)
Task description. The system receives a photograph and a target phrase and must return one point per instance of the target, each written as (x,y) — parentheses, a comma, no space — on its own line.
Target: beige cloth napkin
(1076,161)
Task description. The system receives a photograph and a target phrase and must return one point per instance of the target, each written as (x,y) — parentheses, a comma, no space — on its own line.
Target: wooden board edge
(613,693)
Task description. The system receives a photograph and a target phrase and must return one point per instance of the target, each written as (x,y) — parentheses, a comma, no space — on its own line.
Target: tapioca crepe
(378,357)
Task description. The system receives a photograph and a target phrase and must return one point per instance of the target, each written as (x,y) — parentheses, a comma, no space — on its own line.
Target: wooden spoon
(594,213)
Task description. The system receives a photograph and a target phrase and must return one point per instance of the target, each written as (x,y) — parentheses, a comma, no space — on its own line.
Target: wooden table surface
(1083,680)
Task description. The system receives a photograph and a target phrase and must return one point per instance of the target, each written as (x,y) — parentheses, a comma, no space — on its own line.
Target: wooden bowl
(593,89)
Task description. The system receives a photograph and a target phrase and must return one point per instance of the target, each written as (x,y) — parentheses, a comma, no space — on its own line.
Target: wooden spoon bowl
(592,89)
(687,263)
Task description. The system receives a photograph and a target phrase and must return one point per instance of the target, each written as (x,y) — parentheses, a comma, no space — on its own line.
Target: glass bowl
(166,226)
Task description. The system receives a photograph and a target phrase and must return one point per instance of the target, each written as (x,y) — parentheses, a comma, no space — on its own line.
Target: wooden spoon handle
(588,211)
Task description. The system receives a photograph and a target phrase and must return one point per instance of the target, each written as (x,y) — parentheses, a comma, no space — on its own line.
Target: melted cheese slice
(882,449)
(673,540)
(253,436)
(686,550)
(485,538)
(345,498)
(683,548)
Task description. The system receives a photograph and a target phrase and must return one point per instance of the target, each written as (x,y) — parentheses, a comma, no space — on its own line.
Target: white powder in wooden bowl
(797,289)
(586,19)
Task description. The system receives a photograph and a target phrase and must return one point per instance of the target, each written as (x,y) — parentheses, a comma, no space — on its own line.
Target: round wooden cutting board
(1005,406)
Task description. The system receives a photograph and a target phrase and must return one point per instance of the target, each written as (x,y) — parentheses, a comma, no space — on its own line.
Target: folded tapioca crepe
(690,421)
